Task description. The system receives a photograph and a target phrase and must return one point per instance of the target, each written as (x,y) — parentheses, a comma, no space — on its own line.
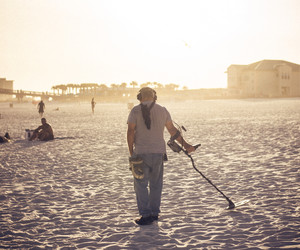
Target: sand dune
(77,191)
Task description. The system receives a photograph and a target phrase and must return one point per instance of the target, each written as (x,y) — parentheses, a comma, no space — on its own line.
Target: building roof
(268,65)
(271,64)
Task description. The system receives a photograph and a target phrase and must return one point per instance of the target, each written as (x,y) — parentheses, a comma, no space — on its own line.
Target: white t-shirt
(148,141)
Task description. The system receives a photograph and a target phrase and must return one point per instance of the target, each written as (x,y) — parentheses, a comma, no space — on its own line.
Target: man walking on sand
(146,123)
(93,103)
(41,107)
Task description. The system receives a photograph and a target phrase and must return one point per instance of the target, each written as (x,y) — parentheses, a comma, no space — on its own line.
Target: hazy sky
(190,43)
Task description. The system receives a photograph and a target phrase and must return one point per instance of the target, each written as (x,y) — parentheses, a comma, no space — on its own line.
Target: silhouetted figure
(93,103)
(41,107)
(43,132)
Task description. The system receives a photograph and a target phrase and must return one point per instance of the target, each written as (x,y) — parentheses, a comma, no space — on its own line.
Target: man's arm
(39,128)
(130,137)
(172,130)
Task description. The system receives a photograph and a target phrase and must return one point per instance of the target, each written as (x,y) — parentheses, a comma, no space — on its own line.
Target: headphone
(139,95)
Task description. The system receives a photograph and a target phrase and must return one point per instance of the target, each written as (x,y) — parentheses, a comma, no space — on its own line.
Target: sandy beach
(77,191)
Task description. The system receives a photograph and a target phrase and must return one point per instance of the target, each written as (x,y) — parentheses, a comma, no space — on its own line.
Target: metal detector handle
(185,151)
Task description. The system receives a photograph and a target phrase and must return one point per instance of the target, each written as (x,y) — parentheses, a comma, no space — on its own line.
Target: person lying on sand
(43,132)
(5,138)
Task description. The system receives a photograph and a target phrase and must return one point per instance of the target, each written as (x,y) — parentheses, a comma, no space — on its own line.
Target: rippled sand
(77,191)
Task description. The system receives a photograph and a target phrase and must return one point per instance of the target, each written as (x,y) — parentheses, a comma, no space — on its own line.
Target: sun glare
(190,43)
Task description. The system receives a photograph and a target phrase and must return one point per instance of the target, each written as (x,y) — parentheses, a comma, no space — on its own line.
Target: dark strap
(174,137)
(146,114)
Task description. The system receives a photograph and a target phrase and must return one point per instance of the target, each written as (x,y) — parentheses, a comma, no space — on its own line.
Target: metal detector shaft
(231,204)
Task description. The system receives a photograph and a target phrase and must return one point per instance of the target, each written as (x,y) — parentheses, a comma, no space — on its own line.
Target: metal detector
(177,148)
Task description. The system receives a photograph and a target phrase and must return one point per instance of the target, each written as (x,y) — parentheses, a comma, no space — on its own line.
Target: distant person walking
(93,103)
(43,132)
(41,107)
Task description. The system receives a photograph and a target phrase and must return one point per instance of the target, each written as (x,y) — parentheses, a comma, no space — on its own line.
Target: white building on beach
(266,78)
(5,85)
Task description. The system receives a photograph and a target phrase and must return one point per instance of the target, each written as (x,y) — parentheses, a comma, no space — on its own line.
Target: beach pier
(20,94)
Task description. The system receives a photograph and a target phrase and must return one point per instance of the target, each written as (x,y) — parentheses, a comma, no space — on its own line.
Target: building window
(285,76)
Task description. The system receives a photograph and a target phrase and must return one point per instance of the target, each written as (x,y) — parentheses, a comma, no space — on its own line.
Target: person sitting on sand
(43,132)
(5,138)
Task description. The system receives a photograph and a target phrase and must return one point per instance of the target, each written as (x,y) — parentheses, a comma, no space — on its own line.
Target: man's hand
(189,148)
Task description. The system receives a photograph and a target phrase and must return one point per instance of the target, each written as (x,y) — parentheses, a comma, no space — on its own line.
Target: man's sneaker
(154,217)
(144,220)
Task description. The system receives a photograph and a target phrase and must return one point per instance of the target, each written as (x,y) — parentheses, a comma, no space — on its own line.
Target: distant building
(266,78)
(5,85)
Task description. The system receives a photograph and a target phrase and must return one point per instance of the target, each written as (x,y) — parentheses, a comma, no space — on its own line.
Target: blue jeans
(148,199)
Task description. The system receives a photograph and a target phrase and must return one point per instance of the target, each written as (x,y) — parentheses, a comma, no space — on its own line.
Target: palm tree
(171,86)
(103,86)
(61,87)
(89,86)
(147,84)
(123,85)
(159,85)
(102,89)
(77,86)
(114,86)
(133,84)
(70,87)
(54,88)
